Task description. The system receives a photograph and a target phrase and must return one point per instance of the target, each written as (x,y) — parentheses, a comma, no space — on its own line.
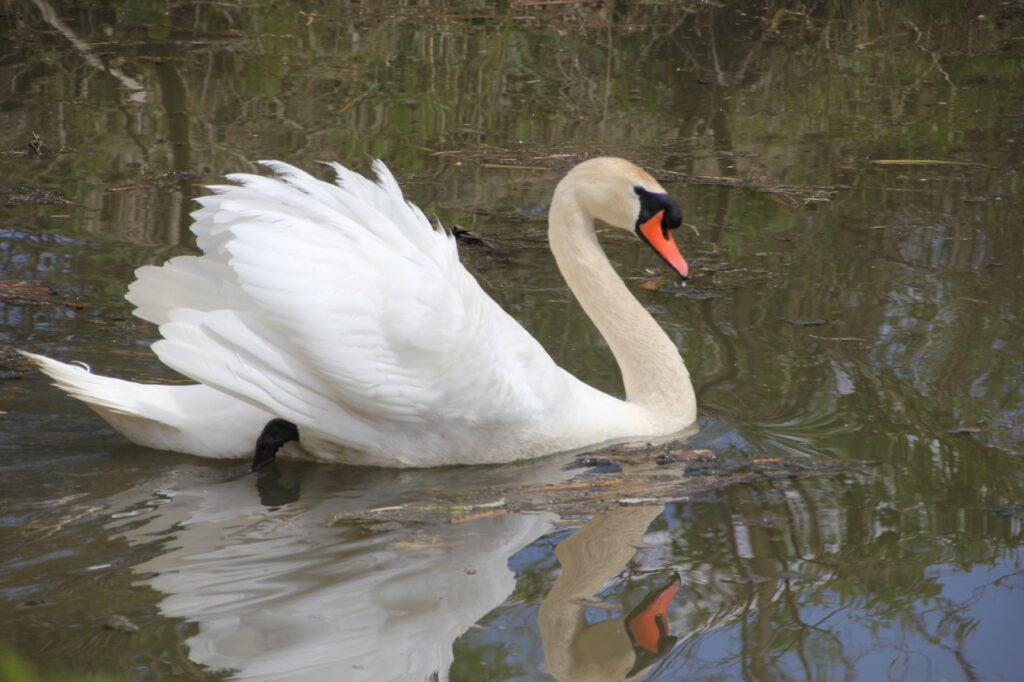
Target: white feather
(341,309)
(195,419)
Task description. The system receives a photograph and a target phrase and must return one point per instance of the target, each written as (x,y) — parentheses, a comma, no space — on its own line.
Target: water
(862,320)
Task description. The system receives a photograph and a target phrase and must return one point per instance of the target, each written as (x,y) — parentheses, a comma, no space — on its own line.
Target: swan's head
(624,195)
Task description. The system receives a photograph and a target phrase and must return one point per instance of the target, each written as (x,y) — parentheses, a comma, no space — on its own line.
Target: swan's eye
(653,202)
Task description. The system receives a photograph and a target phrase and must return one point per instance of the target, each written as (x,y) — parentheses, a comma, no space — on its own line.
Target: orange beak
(654,233)
(648,624)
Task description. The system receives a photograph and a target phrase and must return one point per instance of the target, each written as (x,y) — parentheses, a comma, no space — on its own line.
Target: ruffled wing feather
(340,308)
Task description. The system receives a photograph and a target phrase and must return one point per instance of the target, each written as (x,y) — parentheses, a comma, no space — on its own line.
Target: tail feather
(189,418)
(103,394)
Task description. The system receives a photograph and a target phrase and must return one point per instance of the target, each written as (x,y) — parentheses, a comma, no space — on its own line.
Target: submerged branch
(793,195)
(614,477)
(50,16)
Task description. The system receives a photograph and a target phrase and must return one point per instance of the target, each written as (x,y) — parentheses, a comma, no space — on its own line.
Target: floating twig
(926,162)
(30,293)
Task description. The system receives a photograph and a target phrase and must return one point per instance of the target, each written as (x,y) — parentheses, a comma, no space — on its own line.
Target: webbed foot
(276,433)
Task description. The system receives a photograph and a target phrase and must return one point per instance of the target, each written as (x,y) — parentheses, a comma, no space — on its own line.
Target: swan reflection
(616,648)
(277,593)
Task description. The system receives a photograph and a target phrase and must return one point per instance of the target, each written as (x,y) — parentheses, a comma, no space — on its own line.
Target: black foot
(276,433)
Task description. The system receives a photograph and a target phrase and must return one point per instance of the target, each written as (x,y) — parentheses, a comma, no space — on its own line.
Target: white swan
(338,312)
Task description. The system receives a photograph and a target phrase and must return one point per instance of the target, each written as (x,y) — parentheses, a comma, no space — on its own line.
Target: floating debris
(159,179)
(34,148)
(466,236)
(926,162)
(634,501)
(903,227)
(653,283)
(119,623)
(24,195)
(656,475)
(800,322)
(837,338)
(1015,509)
(34,293)
(794,196)
(589,461)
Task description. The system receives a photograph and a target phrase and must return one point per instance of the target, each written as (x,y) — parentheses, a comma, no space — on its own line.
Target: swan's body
(340,309)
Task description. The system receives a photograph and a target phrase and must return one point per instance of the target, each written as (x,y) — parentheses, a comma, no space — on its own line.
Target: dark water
(844,313)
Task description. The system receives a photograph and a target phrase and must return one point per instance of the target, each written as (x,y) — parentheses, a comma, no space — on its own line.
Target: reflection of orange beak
(661,240)
(647,623)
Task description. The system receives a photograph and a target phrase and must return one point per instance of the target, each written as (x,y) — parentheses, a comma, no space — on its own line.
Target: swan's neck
(652,370)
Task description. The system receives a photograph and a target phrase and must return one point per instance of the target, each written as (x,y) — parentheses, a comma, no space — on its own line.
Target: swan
(338,316)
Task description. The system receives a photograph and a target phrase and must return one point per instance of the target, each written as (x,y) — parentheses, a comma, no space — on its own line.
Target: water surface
(853,177)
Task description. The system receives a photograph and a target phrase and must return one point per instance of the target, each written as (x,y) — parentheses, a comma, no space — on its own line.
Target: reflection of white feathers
(338,307)
(279,595)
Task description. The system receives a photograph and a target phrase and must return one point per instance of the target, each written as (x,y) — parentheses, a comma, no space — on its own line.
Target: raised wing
(341,309)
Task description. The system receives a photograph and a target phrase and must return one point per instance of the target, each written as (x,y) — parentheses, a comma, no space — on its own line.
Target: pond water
(852,175)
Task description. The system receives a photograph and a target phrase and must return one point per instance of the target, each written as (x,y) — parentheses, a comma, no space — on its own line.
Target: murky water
(853,311)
